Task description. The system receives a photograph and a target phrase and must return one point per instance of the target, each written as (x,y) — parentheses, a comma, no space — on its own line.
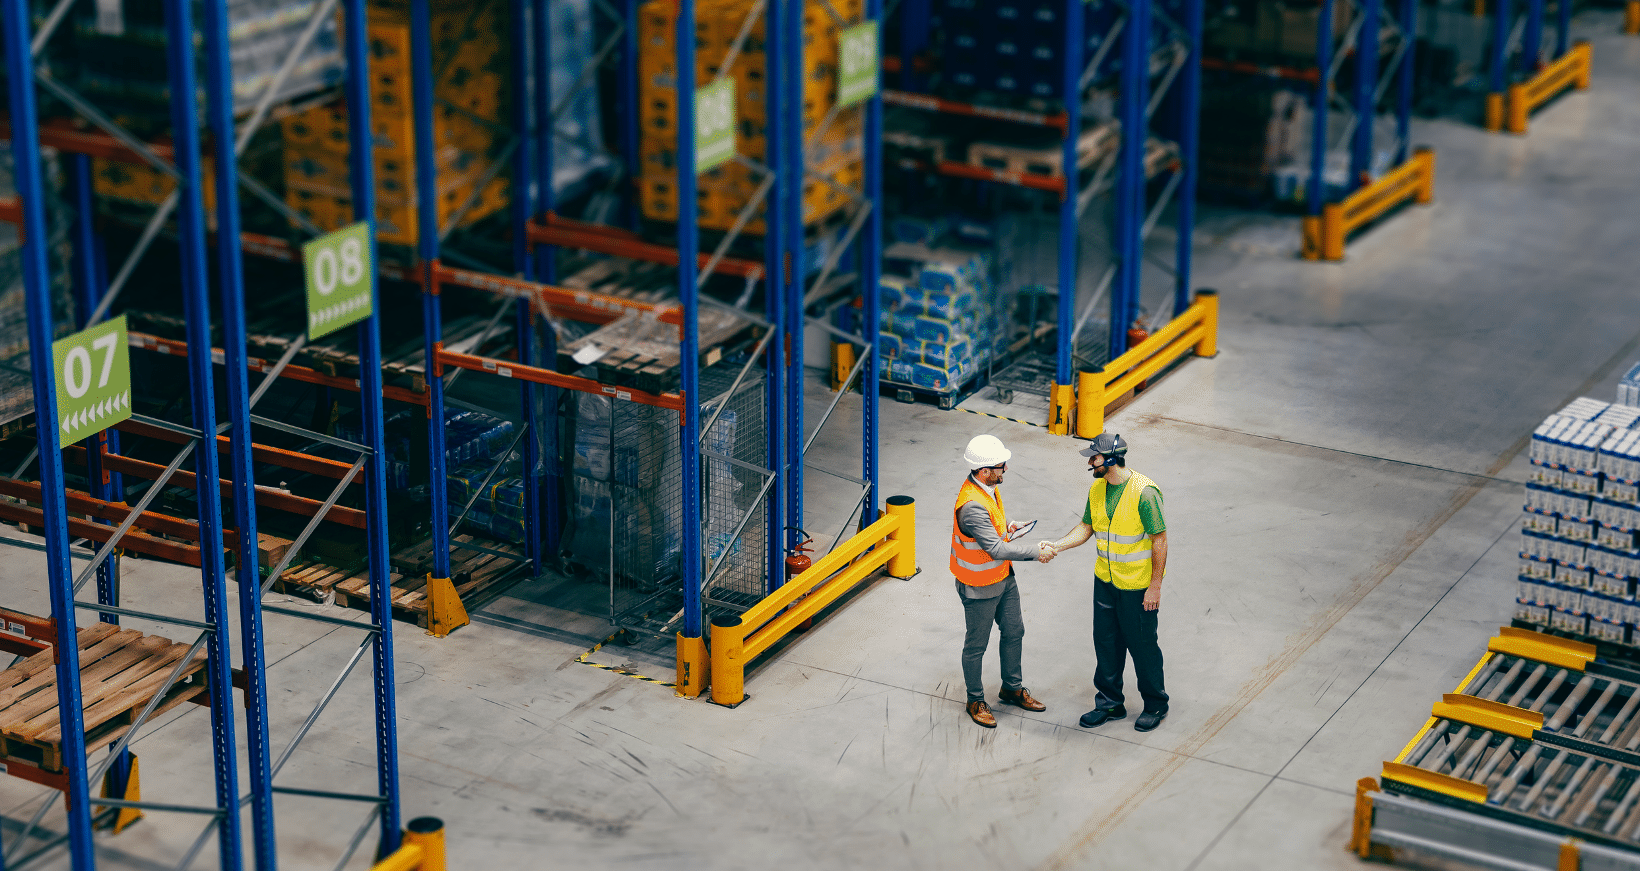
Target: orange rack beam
(508,369)
(953,107)
(133,541)
(563,232)
(176,348)
(83,503)
(271,456)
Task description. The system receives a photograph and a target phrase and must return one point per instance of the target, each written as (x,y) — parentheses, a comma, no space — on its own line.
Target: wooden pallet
(120,672)
(475,574)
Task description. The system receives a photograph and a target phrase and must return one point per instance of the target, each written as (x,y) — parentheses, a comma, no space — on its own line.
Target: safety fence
(1570,71)
(737,640)
(1413,180)
(421,850)
(1195,329)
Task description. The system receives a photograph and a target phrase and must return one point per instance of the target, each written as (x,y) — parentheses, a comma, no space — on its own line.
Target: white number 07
(77,366)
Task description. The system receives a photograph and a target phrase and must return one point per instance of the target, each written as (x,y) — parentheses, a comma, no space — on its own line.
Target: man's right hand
(1045,552)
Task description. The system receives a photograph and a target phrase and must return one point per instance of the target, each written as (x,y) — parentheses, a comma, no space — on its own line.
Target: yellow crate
(395,218)
(141,183)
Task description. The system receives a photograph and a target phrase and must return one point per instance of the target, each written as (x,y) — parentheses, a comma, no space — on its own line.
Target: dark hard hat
(1108,443)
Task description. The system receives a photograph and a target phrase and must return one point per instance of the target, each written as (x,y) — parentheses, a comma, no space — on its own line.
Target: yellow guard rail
(421,850)
(1509,110)
(1324,234)
(1196,328)
(736,641)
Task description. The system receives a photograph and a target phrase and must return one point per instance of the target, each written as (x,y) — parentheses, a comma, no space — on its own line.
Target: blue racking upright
(98,295)
(1158,46)
(1523,73)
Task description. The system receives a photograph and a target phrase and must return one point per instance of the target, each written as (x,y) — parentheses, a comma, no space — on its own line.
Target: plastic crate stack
(1017,49)
(1579,563)
(473,443)
(469,50)
(725,191)
(937,325)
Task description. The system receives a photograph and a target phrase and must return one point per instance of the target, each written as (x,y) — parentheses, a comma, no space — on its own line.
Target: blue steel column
(1563,27)
(525,312)
(1190,95)
(774,286)
(871,267)
(219,101)
(361,172)
(628,118)
(1366,84)
(688,297)
(1071,88)
(1531,38)
(546,264)
(421,91)
(1404,81)
(1130,174)
(1317,190)
(914,33)
(179,47)
(791,165)
(26,171)
(1502,16)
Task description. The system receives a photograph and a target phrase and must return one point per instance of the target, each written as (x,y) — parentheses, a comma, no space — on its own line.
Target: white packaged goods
(1584,408)
(1582,482)
(1568,576)
(1575,530)
(1628,389)
(1537,545)
(1565,622)
(1620,416)
(1606,585)
(1619,456)
(1607,630)
(1567,553)
(1536,520)
(1537,569)
(1528,591)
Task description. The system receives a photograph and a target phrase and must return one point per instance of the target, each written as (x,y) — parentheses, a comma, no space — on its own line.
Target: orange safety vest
(969,562)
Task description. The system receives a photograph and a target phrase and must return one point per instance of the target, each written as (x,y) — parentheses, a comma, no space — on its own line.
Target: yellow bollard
(728,667)
(1361,831)
(1312,237)
(1061,406)
(692,666)
(1209,345)
(1090,402)
(1585,63)
(1515,109)
(903,564)
(428,834)
(445,613)
(842,363)
(1426,182)
(1571,857)
(1494,112)
(1631,18)
(1332,231)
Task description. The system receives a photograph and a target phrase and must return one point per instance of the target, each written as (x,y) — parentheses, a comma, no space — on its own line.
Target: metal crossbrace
(320,618)
(1107,167)
(741,219)
(278,367)
(144,615)
(29,545)
(861,213)
(717,565)
(477,192)
(324,701)
(479,490)
(1090,71)
(483,336)
(137,510)
(1151,220)
(312,524)
(722,399)
(512,557)
(156,806)
(852,373)
(834,473)
(583,80)
(310,434)
(837,541)
(358,837)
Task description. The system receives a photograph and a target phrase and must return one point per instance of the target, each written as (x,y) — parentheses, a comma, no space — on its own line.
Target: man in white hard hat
(981,560)
(1123,515)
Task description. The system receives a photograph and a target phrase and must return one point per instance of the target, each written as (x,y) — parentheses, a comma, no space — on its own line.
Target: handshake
(1046,551)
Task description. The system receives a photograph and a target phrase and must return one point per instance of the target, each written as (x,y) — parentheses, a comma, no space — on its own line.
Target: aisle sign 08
(93,380)
(857,71)
(714,125)
(337,271)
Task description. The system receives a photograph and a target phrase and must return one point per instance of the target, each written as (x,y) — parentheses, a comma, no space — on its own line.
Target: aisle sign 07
(93,380)
(714,125)
(857,71)
(337,270)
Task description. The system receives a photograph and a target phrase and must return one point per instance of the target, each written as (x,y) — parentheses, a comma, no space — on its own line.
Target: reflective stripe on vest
(969,562)
(1123,545)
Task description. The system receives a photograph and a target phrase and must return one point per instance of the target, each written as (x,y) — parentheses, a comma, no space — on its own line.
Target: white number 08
(326,272)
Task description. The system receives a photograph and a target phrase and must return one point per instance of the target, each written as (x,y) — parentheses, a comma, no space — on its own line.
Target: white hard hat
(985,450)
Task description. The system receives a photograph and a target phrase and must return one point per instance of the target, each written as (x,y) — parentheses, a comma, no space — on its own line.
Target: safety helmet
(1107,443)
(985,450)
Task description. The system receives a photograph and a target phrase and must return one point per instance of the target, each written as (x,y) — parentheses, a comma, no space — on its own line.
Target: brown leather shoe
(981,712)
(1021,699)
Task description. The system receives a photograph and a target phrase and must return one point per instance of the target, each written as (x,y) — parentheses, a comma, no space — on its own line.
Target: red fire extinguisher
(1136,336)
(797,560)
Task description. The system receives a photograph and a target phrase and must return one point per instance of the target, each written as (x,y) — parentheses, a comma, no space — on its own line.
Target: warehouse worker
(1124,514)
(981,560)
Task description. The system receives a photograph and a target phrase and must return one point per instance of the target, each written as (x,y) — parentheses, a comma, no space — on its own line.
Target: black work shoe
(1148,721)
(1101,716)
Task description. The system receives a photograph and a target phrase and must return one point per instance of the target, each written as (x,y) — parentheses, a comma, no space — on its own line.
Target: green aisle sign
(93,380)
(857,70)
(337,270)
(714,125)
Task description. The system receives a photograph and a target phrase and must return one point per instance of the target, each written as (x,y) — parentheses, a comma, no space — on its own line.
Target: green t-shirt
(1150,507)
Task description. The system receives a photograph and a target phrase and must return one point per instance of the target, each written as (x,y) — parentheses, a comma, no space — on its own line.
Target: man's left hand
(1153,597)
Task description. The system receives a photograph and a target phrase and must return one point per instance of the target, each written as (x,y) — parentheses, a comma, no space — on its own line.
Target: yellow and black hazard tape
(1000,417)
(582,659)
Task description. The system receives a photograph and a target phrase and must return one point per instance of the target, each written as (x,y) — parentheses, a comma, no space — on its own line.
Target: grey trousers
(1003,610)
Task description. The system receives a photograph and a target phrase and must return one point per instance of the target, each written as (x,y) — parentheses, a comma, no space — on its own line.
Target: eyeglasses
(999,467)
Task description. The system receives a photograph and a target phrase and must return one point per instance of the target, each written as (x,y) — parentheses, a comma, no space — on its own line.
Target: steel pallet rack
(783,271)
(183,164)
(1146,78)
(1522,74)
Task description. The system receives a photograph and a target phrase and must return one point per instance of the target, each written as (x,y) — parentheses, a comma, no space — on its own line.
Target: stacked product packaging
(938,322)
(1578,560)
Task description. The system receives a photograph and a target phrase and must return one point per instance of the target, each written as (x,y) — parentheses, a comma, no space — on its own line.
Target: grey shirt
(975,522)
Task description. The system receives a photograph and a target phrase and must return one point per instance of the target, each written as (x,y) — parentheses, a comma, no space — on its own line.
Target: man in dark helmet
(1124,517)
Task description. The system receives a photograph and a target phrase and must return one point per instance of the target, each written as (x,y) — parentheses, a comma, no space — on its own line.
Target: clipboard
(1022,531)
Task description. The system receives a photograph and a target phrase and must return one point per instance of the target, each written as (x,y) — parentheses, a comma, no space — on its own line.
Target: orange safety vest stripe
(969,562)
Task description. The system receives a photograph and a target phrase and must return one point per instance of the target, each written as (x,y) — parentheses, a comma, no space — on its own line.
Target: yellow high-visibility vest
(1124,546)
(969,562)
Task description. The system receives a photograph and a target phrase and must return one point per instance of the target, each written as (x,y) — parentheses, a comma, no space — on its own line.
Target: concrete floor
(1343,485)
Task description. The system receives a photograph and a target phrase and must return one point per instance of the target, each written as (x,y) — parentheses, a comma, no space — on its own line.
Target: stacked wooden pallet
(475,573)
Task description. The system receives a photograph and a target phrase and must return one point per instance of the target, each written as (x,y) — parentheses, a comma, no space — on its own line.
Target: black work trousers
(1122,627)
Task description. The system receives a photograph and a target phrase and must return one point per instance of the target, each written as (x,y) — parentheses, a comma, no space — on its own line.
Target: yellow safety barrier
(736,641)
(1061,408)
(421,850)
(1324,234)
(1196,328)
(1571,71)
(842,364)
(1631,18)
